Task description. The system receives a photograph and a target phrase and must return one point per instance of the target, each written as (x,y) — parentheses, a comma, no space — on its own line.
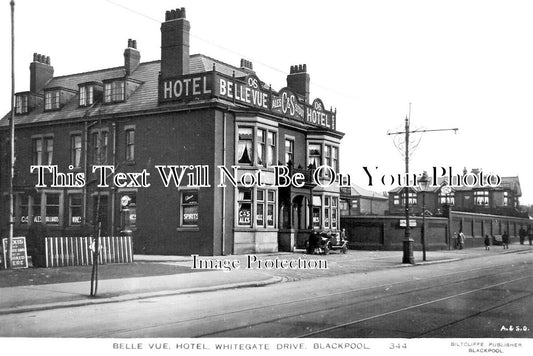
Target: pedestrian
(487,242)
(461,240)
(343,235)
(522,235)
(456,240)
(530,236)
(505,240)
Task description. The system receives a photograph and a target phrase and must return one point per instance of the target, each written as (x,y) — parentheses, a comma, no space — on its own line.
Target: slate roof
(145,97)
(356,190)
(512,183)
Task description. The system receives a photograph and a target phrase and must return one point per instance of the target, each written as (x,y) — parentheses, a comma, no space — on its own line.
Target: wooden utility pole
(9,254)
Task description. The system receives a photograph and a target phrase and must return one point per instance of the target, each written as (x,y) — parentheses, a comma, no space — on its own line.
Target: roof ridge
(100,70)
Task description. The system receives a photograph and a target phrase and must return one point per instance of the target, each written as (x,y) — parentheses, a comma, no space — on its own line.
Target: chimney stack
(175,44)
(298,81)
(132,57)
(41,72)
(247,65)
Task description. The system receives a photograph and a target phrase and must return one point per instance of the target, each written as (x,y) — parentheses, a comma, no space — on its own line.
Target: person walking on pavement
(522,235)
(530,236)
(487,242)
(461,239)
(505,240)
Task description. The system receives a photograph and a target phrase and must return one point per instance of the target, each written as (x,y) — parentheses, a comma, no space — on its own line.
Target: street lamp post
(407,241)
(424,183)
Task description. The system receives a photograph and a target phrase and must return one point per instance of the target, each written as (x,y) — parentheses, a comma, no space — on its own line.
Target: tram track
(368,296)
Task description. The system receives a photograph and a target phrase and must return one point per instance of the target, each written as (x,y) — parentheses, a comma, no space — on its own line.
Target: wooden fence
(76,251)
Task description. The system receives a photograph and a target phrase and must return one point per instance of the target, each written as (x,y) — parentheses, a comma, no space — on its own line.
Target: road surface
(481,297)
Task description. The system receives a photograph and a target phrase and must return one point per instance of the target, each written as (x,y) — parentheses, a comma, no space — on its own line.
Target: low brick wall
(385,233)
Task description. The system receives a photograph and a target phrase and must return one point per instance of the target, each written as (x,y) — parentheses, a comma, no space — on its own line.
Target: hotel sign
(247,91)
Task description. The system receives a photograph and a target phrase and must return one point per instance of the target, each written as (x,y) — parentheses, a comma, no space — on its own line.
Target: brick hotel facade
(181,110)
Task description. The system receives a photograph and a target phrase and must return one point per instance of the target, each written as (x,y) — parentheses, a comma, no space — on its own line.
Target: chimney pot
(41,72)
(132,57)
(298,80)
(175,44)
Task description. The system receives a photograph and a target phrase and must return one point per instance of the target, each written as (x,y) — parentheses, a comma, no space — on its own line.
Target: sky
(461,64)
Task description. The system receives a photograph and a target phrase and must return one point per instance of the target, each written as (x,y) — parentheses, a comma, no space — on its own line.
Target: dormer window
(52,100)
(114,91)
(86,95)
(21,104)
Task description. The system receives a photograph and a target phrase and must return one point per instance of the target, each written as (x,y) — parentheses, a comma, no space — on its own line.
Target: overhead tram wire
(348,96)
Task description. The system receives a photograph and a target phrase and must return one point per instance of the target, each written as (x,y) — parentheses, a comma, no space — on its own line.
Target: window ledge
(192,228)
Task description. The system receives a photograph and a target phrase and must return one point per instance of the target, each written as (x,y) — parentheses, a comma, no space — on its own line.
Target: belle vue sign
(246,91)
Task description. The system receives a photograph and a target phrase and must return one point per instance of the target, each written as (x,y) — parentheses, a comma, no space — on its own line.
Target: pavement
(31,294)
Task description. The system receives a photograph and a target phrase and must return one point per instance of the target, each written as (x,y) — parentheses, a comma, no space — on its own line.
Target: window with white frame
(289,151)
(130,144)
(245,145)
(412,198)
(271,205)
(52,208)
(271,149)
(86,95)
(481,197)
(265,207)
(317,212)
(396,199)
(314,155)
(334,212)
(75,209)
(245,200)
(260,145)
(114,91)
(42,150)
(75,150)
(335,158)
(327,212)
(21,104)
(51,99)
(447,199)
(99,141)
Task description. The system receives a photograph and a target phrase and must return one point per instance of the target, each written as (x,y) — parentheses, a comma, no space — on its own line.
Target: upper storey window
(21,104)
(86,95)
(52,99)
(114,91)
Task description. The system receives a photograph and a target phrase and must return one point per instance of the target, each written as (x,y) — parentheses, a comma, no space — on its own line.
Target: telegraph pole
(408,242)
(12,142)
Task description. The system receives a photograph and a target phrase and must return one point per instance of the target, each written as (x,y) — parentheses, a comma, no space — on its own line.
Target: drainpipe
(224,189)
(85,136)
(113,190)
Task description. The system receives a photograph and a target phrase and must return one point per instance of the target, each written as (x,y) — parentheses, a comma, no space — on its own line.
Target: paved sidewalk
(32,297)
